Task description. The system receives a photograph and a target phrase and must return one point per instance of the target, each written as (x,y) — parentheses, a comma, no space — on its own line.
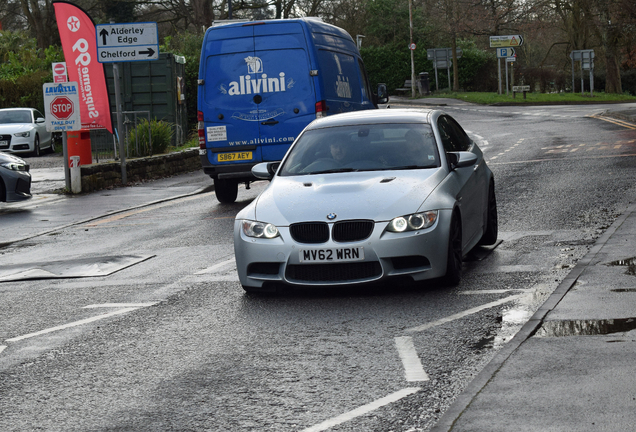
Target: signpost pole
(512,74)
(67,172)
(448,62)
(435,64)
(120,124)
(499,73)
(411,49)
(590,54)
(582,82)
(506,61)
(572,57)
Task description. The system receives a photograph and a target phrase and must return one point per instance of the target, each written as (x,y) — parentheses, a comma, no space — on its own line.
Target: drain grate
(586,327)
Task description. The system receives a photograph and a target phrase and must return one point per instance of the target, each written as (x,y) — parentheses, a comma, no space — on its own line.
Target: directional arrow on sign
(505,52)
(150,52)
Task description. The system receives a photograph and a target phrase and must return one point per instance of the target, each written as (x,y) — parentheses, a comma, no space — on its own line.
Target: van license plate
(332,255)
(229,157)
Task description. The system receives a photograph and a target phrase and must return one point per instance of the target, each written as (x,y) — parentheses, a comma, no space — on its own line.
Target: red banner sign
(77,33)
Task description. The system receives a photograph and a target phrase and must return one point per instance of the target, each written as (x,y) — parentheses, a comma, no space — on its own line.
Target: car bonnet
(379,196)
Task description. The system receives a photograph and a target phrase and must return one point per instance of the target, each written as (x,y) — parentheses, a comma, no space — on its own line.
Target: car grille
(344,272)
(348,231)
(310,232)
(6,138)
(344,231)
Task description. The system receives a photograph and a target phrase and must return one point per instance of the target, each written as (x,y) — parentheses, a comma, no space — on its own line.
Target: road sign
(442,53)
(505,52)
(59,72)
(506,41)
(578,55)
(412,46)
(443,64)
(61,107)
(511,59)
(519,89)
(127,42)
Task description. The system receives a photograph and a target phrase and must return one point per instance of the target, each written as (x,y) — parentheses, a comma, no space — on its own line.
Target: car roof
(376,116)
(17,109)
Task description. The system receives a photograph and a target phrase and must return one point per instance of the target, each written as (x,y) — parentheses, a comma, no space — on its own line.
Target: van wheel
(225,190)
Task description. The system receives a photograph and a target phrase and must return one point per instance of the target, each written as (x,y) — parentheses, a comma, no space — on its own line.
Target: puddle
(630,263)
(585,327)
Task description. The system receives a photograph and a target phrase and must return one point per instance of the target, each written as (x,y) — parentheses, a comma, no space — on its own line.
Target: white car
(368,196)
(23,130)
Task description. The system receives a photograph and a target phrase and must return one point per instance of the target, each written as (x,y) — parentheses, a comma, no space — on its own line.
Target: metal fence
(104,144)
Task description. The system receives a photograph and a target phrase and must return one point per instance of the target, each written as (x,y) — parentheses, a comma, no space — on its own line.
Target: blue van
(262,82)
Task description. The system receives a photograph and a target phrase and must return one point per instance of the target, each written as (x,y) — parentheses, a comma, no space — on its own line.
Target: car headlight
(14,166)
(23,134)
(259,229)
(414,222)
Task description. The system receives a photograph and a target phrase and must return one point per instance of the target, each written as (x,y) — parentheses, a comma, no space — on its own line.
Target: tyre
(492,225)
(52,148)
(225,190)
(454,257)
(36,146)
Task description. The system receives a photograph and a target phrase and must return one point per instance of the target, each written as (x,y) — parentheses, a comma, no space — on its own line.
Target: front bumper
(17,185)
(417,254)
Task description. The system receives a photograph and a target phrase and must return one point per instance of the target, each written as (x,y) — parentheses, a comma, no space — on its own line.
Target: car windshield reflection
(15,116)
(363,148)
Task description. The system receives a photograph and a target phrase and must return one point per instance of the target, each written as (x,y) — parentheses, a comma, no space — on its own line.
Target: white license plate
(332,254)
(4,143)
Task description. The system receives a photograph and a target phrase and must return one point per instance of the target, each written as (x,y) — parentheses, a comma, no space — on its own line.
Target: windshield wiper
(334,170)
(413,167)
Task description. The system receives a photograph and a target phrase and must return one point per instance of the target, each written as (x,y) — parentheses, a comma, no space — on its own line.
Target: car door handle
(271,122)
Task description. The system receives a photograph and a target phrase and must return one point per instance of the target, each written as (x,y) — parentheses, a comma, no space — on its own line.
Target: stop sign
(61,108)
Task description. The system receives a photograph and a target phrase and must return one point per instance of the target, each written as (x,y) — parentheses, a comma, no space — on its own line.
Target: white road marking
(2,347)
(495,291)
(365,409)
(217,267)
(413,370)
(119,305)
(463,314)
(73,324)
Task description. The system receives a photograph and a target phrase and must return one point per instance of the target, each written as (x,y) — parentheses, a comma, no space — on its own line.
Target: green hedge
(391,64)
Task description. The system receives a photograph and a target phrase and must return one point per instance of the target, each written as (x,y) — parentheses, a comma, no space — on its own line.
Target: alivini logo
(247,84)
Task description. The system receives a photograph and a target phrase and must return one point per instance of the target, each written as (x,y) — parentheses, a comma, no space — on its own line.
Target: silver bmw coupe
(368,196)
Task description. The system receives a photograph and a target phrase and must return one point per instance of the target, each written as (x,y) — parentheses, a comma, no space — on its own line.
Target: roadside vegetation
(486,98)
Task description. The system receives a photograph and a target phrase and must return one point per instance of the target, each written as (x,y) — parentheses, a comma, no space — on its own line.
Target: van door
(258,91)
(224,94)
(284,90)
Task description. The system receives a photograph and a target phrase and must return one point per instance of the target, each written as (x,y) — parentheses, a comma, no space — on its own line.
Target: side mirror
(265,170)
(383,96)
(461,159)
(40,120)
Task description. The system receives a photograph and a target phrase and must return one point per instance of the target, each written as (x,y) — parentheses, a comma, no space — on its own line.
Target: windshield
(15,116)
(362,148)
